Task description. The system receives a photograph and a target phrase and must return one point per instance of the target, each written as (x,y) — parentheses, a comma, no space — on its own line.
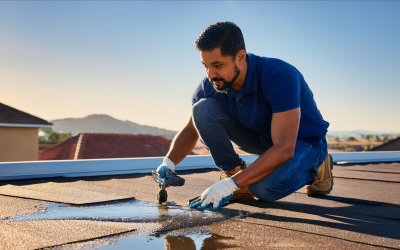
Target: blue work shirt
(271,86)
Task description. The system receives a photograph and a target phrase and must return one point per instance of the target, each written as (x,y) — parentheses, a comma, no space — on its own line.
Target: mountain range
(100,123)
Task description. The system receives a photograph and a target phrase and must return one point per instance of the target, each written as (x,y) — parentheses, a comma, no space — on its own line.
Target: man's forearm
(182,144)
(263,166)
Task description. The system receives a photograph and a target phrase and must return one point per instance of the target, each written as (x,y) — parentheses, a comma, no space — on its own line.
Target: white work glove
(165,165)
(218,195)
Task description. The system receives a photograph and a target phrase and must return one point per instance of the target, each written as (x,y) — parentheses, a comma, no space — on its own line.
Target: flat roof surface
(362,211)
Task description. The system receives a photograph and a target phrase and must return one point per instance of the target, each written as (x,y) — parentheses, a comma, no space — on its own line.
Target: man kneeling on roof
(266,108)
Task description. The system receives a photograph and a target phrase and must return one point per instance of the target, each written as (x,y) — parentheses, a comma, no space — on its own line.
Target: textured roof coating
(241,234)
(41,234)
(11,115)
(79,192)
(360,213)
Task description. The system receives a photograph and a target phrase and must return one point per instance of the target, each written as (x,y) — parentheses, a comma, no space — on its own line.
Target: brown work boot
(243,193)
(324,183)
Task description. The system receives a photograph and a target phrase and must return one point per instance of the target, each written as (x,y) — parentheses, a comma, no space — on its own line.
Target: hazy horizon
(332,131)
(137,61)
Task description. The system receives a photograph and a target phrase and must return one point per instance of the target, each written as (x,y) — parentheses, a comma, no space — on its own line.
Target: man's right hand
(165,165)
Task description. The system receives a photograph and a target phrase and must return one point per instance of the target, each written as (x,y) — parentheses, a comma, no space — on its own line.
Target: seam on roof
(386,218)
(349,178)
(86,240)
(352,201)
(330,236)
(370,171)
(69,203)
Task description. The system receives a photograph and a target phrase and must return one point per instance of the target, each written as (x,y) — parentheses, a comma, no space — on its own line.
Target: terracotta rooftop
(11,115)
(100,146)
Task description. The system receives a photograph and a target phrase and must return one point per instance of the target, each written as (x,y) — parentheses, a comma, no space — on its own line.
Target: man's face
(222,71)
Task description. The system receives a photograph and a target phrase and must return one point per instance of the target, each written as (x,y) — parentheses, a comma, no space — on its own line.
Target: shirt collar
(250,82)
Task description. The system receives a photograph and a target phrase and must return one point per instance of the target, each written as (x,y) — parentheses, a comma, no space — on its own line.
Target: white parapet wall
(365,157)
(80,168)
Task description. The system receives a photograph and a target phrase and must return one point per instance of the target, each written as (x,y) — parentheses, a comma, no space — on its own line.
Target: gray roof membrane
(362,211)
(393,167)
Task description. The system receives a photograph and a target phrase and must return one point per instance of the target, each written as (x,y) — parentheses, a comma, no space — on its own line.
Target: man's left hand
(217,195)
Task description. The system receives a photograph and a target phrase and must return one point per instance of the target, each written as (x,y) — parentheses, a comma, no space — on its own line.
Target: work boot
(324,183)
(243,193)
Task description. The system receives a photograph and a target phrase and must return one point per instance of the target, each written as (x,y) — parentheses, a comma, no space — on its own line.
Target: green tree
(351,138)
(378,138)
(368,137)
(53,137)
(386,138)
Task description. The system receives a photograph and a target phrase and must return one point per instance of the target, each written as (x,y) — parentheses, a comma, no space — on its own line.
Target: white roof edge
(96,167)
(25,125)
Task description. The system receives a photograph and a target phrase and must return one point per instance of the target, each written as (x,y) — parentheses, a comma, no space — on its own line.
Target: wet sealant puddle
(126,211)
(168,218)
(123,211)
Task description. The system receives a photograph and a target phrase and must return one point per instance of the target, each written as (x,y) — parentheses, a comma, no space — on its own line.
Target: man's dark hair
(224,35)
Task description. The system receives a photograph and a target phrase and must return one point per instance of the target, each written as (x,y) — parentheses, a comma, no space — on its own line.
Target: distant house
(393,145)
(19,134)
(100,146)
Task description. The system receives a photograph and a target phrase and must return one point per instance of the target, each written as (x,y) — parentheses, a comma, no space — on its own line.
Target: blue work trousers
(217,128)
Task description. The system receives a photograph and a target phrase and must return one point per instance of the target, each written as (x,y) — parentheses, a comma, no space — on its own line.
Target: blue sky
(136,60)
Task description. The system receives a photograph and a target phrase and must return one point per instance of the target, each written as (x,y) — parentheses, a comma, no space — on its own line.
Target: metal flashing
(96,167)
(365,157)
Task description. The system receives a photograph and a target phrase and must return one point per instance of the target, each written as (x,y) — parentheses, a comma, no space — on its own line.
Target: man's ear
(241,56)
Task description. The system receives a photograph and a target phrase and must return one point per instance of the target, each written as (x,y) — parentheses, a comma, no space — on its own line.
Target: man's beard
(225,85)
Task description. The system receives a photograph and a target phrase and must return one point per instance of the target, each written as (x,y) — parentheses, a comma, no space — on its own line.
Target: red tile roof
(99,145)
(64,150)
